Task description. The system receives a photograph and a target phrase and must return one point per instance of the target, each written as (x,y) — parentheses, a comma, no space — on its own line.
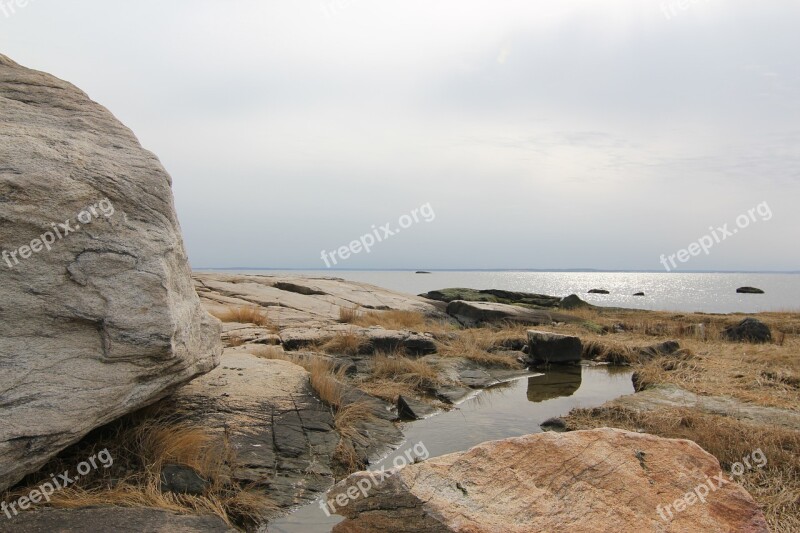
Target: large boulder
(748,330)
(98,313)
(584,481)
(546,347)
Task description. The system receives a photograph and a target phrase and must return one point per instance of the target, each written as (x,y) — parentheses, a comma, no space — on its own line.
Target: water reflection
(556,383)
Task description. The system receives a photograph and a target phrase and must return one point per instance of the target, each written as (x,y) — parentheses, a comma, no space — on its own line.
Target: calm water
(713,293)
(510,410)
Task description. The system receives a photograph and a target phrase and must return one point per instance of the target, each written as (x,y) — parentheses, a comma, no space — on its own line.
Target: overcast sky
(543,134)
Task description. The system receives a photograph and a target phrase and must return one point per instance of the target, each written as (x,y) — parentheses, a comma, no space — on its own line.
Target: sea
(679,292)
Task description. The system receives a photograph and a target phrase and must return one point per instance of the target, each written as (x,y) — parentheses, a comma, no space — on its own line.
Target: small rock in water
(749,290)
(639,294)
(599,291)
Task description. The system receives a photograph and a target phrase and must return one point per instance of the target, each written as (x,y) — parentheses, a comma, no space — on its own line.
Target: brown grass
(776,487)
(474,344)
(348,315)
(395,319)
(345,343)
(244,314)
(394,374)
(141,445)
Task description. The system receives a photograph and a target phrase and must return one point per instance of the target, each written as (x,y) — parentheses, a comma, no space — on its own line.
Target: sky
(500,134)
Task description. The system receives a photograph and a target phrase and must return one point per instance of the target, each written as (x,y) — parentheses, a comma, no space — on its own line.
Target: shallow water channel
(509,410)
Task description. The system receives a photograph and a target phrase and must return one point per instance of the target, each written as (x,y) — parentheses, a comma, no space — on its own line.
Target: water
(510,410)
(707,292)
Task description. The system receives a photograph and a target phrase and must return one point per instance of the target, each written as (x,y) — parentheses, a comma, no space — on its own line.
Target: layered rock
(98,313)
(477,313)
(585,481)
(546,347)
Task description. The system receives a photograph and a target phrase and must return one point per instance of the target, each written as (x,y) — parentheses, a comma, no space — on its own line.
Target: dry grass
(393,375)
(345,343)
(235,340)
(244,314)
(392,320)
(776,487)
(141,445)
(348,315)
(474,344)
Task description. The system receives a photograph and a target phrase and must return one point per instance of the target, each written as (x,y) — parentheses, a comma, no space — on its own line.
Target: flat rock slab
(670,396)
(584,481)
(104,319)
(534,301)
(300,301)
(116,519)
(283,436)
(477,313)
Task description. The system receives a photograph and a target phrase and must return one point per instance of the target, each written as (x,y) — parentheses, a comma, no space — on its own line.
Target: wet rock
(554,424)
(748,330)
(103,319)
(548,347)
(117,519)
(453,394)
(412,409)
(477,313)
(599,480)
(182,479)
(749,290)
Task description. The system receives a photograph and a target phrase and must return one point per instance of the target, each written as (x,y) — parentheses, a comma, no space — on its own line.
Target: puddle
(509,410)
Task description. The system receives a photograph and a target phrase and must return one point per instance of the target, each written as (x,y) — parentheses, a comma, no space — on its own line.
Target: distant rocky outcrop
(98,313)
(599,291)
(748,330)
(749,290)
(534,301)
(476,313)
(599,480)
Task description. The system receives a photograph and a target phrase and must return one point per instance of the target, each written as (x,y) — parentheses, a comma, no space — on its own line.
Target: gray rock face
(748,330)
(98,313)
(548,347)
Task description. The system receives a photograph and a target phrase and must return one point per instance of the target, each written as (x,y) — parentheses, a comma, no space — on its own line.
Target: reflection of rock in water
(555,383)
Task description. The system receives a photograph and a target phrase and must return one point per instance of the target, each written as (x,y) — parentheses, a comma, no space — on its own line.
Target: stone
(98,312)
(412,409)
(748,330)
(573,301)
(375,338)
(525,299)
(477,313)
(546,347)
(598,480)
(749,290)
(599,291)
(117,519)
(182,479)
(638,294)
(554,424)
(661,349)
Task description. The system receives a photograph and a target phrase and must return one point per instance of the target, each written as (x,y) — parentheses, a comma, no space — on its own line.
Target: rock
(412,409)
(533,301)
(548,347)
(374,338)
(599,291)
(748,330)
(749,290)
(599,480)
(283,436)
(476,313)
(554,424)
(572,301)
(104,319)
(118,519)
(669,396)
(304,302)
(182,479)
(422,272)
(658,350)
(639,294)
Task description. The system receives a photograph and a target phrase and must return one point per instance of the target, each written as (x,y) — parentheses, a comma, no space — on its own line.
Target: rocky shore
(110,348)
